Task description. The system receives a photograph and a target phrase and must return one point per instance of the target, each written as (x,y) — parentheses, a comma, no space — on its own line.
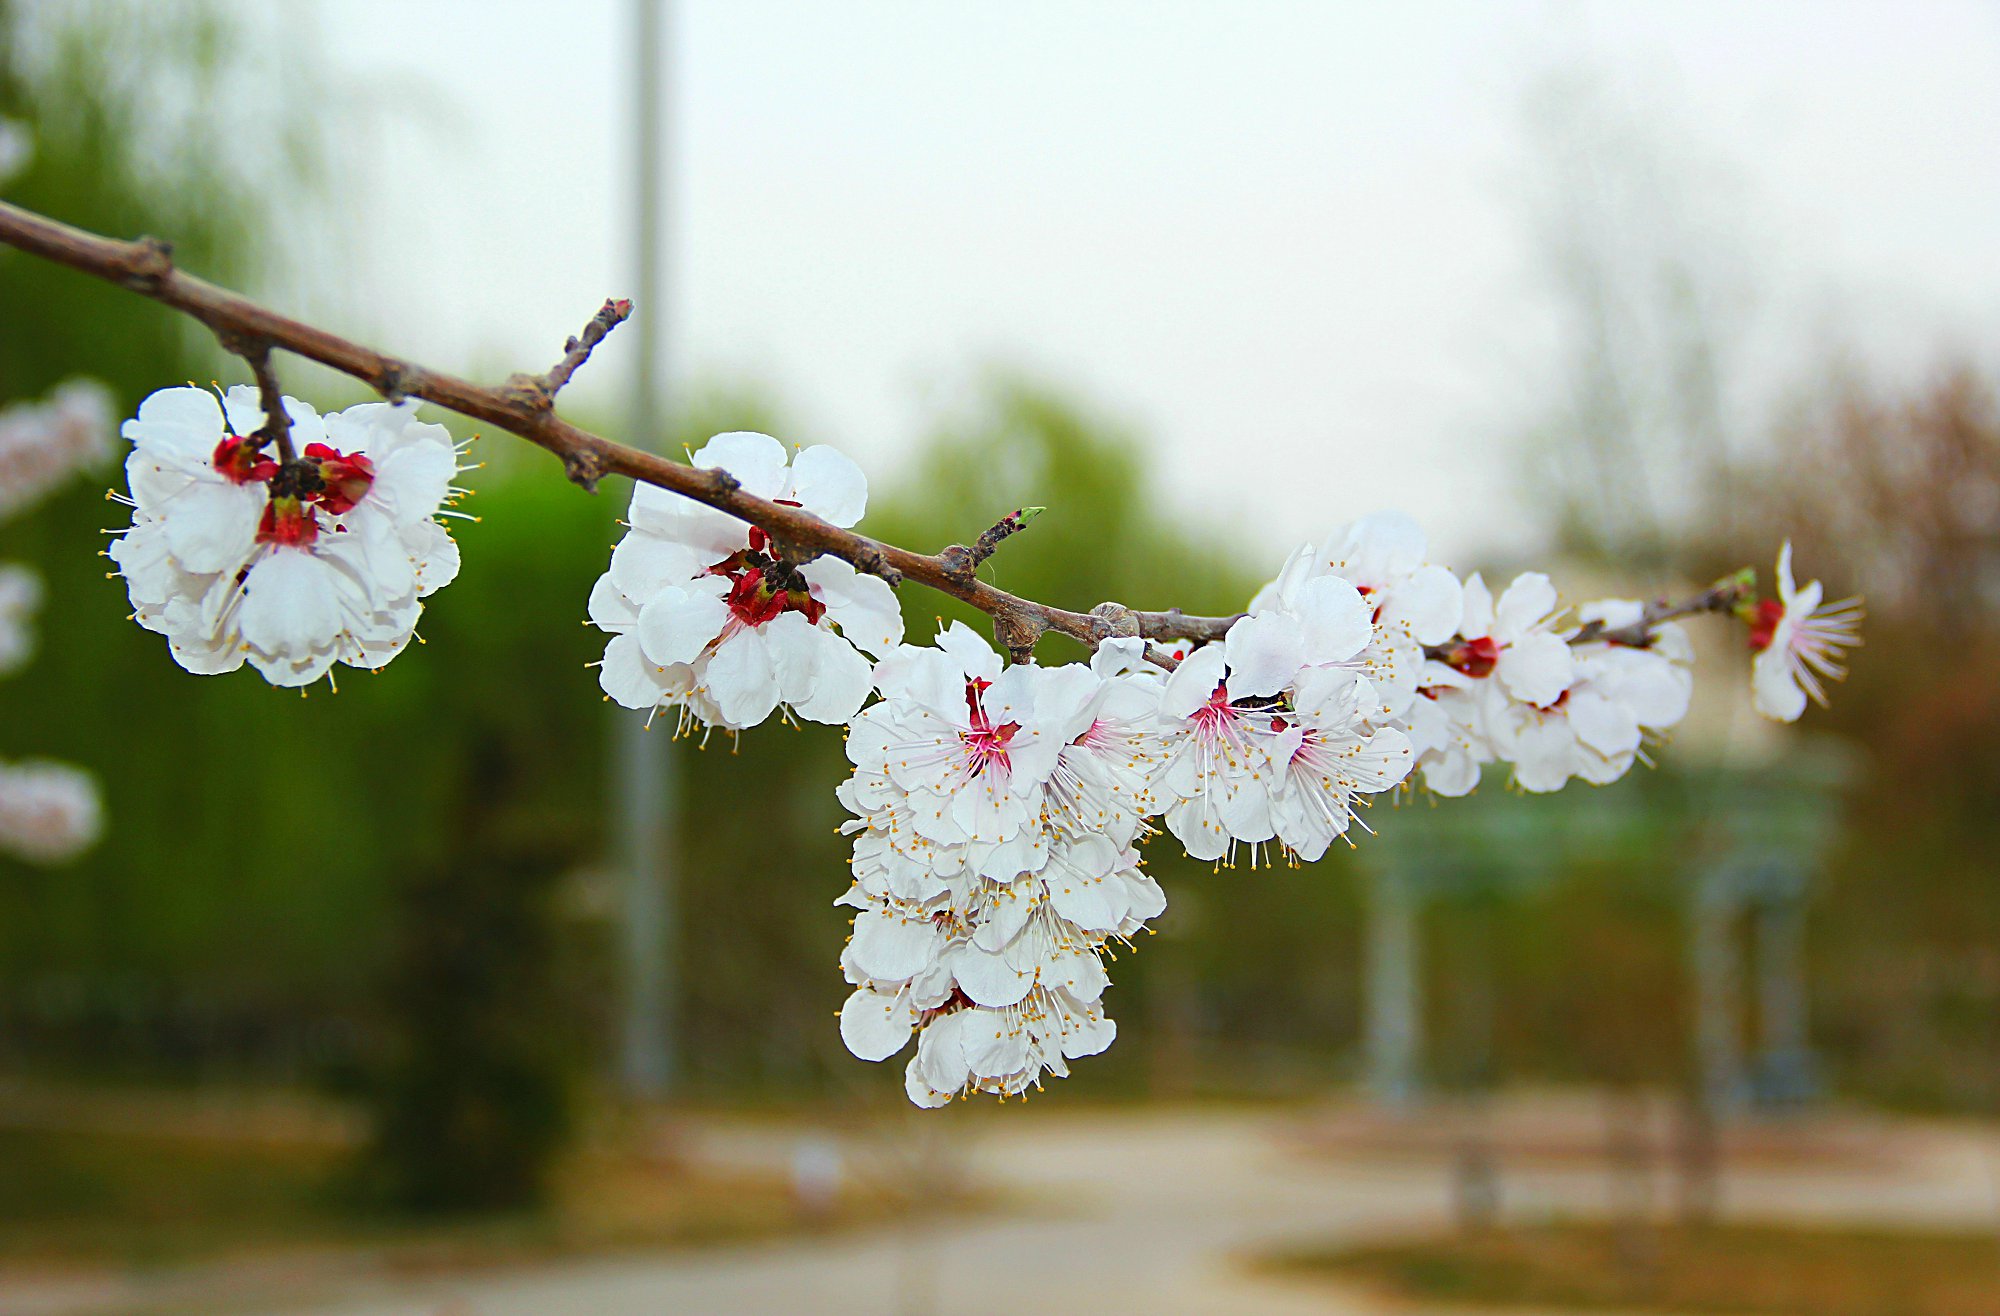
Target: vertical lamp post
(644,764)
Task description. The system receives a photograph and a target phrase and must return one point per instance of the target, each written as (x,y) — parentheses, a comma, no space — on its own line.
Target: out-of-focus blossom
(20,596)
(49,812)
(1594,728)
(44,443)
(1798,642)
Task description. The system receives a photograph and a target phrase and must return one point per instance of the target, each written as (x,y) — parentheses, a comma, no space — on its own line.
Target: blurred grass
(1742,1270)
(183,1189)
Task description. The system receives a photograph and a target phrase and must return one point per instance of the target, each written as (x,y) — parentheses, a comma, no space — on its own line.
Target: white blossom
(1330,759)
(1799,643)
(1219,770)
(1406,603)
(1595,727)
(1447,731)
(20,596)
(707,615)
(234,558)
(49,812)
(44,443)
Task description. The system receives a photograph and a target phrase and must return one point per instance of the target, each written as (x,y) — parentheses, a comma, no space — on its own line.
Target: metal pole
(1715,960)
(1786,1065)
(1395,1003)
(643,766)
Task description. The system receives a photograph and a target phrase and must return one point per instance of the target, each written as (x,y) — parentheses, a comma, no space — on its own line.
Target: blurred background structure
(1637,289)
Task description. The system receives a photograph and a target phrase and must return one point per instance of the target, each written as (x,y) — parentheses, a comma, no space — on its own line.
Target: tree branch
(1722,596)
(541,390)
(146,267)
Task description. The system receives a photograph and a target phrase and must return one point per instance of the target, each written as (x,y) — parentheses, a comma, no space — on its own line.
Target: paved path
(1154,1213)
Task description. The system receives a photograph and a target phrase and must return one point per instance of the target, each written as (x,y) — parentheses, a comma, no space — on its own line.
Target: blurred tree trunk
(472,1104)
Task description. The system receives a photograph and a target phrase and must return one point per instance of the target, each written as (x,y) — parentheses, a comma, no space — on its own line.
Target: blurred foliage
(1660,471)
(1893,491)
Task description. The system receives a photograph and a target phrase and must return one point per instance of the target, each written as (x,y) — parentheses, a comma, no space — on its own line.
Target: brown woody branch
(1722,596)
(524,407)
(540,390)
(277,428)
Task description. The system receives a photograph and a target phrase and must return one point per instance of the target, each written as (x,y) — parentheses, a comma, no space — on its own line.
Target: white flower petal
(212,524)
(677,624)
(1264,653)
(827,483)
(738,676)
(875,1026)
(1536,668)
(756,460)
(291,603)
(863,606)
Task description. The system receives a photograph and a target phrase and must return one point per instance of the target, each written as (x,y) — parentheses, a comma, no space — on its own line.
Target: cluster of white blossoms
(1511,686)
(238,556)
(999,810)
(995,853)
(709,618)
(49,812)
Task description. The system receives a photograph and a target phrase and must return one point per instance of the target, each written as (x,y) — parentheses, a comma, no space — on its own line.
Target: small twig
(1012,523)
(1723,596)
(963,562)
(540,390)
(277,426)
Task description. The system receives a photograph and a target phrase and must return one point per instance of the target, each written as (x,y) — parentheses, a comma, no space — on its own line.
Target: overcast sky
(1286,241)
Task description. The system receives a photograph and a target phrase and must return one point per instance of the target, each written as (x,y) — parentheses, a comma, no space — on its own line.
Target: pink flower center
(986,741)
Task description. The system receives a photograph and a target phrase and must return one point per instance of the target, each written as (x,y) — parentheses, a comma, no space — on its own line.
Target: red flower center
(1474,657)
(242,460)
(1764,626)
(344,480)
(755,594)
(287,521)
(325,477)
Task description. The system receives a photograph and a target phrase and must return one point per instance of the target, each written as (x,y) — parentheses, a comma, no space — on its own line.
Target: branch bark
(526,410)
(525,407)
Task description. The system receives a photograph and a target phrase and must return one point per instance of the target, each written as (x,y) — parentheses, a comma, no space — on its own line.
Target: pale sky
(1284,240)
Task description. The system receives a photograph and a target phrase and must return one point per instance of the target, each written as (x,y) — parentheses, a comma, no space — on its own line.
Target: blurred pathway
(1153,1213)
(1139,1212)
